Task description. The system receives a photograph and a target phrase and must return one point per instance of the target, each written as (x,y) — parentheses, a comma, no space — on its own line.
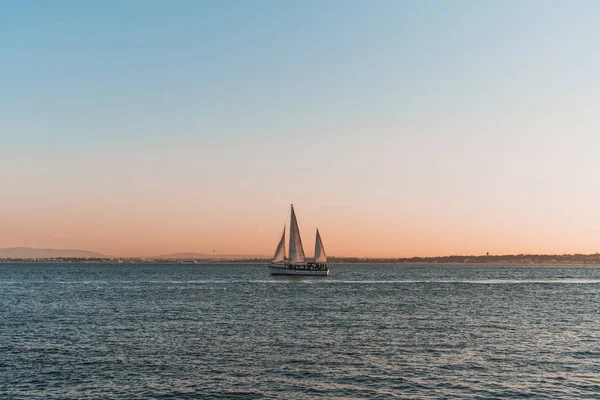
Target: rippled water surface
(233,331)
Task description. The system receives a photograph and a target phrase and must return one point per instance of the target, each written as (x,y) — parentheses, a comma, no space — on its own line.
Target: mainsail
(296,250)
(280,252)
(320,255)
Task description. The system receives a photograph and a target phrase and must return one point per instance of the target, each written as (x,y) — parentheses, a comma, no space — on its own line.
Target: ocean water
(75,331)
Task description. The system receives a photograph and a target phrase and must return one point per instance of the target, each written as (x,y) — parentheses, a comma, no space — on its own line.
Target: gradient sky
(398,128)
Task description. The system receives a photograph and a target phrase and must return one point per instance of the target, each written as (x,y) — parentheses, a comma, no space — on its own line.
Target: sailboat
(296,264)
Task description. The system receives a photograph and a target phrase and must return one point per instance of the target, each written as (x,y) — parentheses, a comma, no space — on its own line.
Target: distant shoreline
(518,259)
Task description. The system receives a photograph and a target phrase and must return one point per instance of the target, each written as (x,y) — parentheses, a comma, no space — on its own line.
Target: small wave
(475,281)
(320,281)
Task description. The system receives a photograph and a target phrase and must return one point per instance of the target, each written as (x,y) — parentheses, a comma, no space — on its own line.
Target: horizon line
(233,256)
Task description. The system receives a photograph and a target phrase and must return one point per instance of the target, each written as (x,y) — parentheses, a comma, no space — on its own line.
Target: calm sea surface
(233,331)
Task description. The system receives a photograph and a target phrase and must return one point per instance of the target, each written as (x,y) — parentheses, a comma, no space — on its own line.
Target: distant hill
(201,256)
(28,252)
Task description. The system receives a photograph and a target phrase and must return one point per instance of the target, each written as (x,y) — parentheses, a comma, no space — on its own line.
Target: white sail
(296,250)
(320,255)
(280,252)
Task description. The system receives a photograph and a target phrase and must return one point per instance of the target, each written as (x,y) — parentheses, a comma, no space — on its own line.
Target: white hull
(285,270)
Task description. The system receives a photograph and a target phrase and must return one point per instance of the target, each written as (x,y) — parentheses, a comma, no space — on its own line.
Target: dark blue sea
(96,331)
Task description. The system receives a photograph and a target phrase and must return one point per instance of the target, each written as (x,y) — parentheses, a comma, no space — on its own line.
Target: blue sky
(106,72)
(431,109)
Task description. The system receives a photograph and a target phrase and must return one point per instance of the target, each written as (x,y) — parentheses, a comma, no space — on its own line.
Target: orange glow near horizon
(168,203)
(347,233)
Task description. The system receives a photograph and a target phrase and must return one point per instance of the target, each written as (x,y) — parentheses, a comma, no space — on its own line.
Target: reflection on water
(177,331)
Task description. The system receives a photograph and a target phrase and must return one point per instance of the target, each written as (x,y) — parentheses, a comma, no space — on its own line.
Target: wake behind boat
(297,264)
